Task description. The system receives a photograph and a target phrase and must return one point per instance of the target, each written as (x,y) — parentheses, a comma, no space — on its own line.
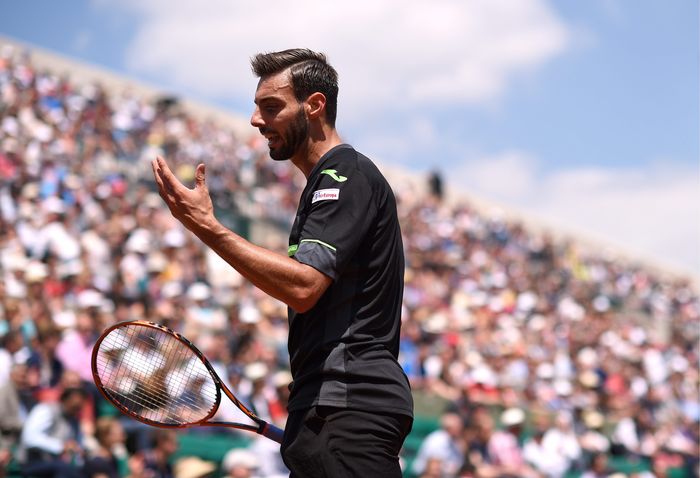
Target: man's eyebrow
(267,99)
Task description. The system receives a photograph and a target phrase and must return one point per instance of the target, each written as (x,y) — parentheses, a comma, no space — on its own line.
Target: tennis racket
(158,377)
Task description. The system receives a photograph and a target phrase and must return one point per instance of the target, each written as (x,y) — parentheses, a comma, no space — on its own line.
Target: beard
(293,138)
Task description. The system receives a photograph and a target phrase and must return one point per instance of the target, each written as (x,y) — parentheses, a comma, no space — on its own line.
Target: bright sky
(582,114)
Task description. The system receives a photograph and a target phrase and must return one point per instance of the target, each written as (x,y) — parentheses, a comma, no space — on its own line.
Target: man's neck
(308,157)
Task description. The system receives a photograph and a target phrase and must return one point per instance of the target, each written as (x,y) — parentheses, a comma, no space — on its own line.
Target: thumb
(199,181)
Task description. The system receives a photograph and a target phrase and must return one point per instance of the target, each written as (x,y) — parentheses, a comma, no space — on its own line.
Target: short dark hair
(70,391)
(310,73)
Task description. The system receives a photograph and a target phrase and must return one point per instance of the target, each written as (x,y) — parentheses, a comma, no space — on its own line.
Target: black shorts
(328,442)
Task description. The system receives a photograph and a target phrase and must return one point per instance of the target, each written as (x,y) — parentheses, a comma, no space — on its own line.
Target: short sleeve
(339,216)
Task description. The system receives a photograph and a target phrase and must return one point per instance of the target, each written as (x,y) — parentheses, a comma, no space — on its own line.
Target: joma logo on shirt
(325,195)
(334,174)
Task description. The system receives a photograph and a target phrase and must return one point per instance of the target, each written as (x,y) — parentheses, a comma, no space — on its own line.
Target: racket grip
(272,432)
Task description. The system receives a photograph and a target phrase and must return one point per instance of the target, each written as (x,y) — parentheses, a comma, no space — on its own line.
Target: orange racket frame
(262,427)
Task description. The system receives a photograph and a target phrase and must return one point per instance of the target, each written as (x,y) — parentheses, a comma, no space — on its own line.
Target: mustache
(263,130)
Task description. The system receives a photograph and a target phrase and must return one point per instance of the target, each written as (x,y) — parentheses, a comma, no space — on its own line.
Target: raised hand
(192,207)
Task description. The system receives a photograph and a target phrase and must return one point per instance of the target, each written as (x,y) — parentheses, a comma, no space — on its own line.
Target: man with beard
(350,403)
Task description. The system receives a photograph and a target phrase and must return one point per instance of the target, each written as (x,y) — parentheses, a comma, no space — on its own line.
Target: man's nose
(256,118)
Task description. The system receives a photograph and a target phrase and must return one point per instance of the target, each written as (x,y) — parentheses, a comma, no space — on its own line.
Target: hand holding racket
(157,376)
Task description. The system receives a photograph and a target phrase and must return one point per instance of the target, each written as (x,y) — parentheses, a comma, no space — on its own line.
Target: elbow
(306,297)
(308,289)
(303,302)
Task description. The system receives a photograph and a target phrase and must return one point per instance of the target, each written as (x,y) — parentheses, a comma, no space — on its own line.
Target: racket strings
(156,376)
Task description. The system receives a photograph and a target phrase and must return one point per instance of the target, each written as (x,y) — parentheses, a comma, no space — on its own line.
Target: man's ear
(316,105)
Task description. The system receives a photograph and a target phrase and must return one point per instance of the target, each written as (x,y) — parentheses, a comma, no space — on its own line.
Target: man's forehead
(275,85)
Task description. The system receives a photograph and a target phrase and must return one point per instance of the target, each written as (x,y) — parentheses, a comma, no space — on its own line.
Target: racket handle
(272,432)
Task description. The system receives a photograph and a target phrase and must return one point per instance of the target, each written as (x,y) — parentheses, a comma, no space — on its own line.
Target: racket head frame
(261,424)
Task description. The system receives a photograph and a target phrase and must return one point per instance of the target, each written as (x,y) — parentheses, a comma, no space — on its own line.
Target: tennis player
(350,406)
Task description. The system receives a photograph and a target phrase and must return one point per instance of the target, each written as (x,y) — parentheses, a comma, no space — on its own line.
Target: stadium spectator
(598,467)
(561,443)
(15,403)
(103,462)
(261,395)
(43,357)
(268,463)
(591,437)
(193,467)
(51,443)
(504,449)
(157,460)
(239,463)
(433,469)
(74,350)
(543,455)
(12,351)
(444,447)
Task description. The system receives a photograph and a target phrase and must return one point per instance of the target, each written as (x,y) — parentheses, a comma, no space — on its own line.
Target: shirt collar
(326,156)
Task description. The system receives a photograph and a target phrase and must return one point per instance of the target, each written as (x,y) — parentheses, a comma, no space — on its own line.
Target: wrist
(209,230)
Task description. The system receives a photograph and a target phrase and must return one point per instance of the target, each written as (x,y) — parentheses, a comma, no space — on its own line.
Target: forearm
(297,285)
(281,277)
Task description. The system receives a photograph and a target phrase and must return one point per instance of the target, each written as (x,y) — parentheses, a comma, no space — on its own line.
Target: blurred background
(545,159)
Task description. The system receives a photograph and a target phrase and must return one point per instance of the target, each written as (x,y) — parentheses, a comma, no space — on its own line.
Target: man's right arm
(297,285)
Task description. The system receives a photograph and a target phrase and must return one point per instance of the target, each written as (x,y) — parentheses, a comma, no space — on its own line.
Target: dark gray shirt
(343,352)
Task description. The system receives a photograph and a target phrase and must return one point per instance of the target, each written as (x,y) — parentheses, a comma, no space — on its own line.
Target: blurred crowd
(550,356)
(542,359)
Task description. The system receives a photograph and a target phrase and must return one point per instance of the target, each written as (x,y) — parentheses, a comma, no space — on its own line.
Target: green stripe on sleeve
(292,250)
(319,242)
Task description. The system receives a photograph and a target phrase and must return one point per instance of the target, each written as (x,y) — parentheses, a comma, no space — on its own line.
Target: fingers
(167,178)
(174,193)
(169,187)
(167,181)
(162,190)
(199,177)
(156,174)
(192,207)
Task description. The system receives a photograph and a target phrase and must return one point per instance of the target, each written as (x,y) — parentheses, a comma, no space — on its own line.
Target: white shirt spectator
(6,362)
(54,237)
(545,459)
(655,366)
(439,445)
(562,443)
(36,431)
(626,434)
